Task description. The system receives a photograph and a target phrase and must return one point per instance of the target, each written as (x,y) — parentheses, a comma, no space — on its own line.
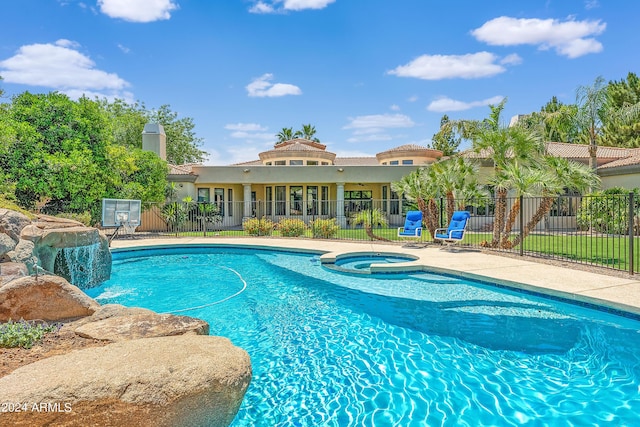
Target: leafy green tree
(445,139)
(182,142)
(622,95)
(128,122)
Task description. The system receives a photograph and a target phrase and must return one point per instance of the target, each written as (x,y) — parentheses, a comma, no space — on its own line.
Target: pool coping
(617,294)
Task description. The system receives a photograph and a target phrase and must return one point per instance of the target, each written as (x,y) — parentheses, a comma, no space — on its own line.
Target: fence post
(631,217)
(521,213)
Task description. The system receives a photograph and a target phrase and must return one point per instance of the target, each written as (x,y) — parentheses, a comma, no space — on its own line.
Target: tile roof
(186,169)
(407,147)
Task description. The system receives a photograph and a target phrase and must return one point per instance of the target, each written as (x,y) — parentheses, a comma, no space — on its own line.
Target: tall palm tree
(503,145)
(284,135)
(595,110)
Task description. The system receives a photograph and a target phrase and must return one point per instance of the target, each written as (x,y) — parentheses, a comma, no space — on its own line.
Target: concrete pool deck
(607,290)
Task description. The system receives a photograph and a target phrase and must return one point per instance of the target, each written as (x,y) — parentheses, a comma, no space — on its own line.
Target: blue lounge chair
(454,233)
(412,226)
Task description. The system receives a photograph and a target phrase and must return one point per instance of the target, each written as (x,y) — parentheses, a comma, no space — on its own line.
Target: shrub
(23,334)
(291,227)
(258,227)
(607,211)
(324,228)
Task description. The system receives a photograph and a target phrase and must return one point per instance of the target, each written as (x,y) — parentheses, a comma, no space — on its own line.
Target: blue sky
(368,74)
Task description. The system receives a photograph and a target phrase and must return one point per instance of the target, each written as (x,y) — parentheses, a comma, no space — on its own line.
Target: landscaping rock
(189,380)
(23,253)
(145,325)
(49,298)
(12,270)
(12,223)
(7,244)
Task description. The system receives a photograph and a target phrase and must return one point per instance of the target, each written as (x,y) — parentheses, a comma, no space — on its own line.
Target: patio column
(247,201)
(342,221)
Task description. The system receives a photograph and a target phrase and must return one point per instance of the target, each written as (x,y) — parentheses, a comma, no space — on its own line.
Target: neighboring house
(300,178)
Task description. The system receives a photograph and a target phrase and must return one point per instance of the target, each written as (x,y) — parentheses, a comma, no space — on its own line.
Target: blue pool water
(332,349)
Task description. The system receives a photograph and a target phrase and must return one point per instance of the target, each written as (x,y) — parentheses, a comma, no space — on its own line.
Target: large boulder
(12,223)
(49,298)
(188,380)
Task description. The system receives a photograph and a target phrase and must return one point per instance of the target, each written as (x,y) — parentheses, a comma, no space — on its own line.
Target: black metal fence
(595,230)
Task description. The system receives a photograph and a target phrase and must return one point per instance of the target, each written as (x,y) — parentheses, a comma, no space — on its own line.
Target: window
(325,200)
(566,204)
(280,162)
(312,200)
(393,162)
(268,163)
(384,163)
(218,199)
(312,163)
(356,201)
(384,198)
(230,197)
(203,195)
(254,204)
(269,199)
(295,162)
(394,206)
(295,193)
(281,200)
(325,163)
(407,162)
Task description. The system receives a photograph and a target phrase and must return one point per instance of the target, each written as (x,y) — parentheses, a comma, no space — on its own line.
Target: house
(301,179)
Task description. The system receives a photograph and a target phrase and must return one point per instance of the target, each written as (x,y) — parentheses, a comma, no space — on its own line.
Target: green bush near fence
(291,227)
(324,228)
(607,211)
(258,227)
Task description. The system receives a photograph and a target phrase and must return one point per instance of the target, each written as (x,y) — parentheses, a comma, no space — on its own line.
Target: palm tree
(419,187)
(457,179)
(595,110)
(561,174)
(308,132)
(371,218)
(503,145)
(286,134)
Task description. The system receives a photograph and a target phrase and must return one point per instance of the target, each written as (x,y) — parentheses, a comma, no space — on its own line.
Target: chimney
(154,139)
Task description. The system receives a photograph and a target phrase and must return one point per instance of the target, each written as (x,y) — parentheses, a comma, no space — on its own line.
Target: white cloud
(124,48)
(513,59)
(279,6)
(445,104)
(438,67)
(379,121)
(245,127)
(374,127)
(138,10)
(62,67)
(570,38)
(395,107)
(262,87)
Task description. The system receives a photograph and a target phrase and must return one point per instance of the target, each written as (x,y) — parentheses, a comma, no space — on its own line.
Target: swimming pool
(328,348)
